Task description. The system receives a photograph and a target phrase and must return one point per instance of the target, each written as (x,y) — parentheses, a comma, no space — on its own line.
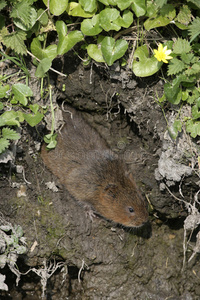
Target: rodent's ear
(129,175)
(110,186)
(110,190)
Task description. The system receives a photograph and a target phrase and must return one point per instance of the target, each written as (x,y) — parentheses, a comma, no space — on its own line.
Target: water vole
(93,174)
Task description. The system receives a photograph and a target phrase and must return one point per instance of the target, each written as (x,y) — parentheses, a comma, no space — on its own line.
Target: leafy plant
(18,95)
(185,68)
(26,28)
(7,134)
(143,65)
(97,16)
(50,139)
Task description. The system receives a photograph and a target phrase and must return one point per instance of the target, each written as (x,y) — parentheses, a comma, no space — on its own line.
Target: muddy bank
(99,260)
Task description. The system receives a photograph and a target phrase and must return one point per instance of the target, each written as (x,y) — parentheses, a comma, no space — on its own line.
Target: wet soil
(102,260)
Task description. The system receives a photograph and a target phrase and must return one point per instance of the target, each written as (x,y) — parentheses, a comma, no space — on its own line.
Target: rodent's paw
(89,212)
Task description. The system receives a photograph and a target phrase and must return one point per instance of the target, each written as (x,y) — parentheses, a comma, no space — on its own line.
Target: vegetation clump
(102,28)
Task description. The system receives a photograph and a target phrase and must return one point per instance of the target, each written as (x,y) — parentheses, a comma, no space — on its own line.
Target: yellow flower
(162,54)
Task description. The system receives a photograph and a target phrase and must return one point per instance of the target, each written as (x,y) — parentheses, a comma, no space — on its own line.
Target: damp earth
(71,257)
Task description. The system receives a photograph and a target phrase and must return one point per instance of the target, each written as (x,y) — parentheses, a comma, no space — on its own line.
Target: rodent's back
(77,142)
(92,173)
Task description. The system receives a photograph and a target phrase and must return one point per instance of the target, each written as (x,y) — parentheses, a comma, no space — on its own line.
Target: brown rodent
(93,174)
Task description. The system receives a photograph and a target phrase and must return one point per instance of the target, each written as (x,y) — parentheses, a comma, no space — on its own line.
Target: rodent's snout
(137,223)
(142,223)
(136,217)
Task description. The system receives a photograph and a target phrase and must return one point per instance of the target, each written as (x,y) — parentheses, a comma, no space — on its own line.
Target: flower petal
(167,52)
(162,54)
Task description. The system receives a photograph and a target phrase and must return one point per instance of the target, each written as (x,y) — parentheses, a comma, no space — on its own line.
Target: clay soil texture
(72,257)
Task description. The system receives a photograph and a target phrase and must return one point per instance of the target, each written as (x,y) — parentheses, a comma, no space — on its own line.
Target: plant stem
(52,69)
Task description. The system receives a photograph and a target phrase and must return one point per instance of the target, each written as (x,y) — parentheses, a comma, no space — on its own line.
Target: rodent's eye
(130,209)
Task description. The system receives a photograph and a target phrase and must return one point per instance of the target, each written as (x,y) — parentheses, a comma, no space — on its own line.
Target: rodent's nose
(140,222)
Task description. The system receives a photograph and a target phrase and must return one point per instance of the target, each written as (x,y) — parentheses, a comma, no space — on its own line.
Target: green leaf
(2,21)
(112,50)
(91,26)
(181,46)
(33,120)
(144,66)
(1,105)
(42,17)
(190,83)
(181,26)
(22,11)
(185,95)
(4,90)
(37,50)
(43,67)
(139,7)
(11,118)
(151,9)
(2,4)
(184,15)
(2,121)
(166,14)
(61,28)
(10,134)
(196,48)
(52,145)
(50,139)
(159,21)
(76,10)
(193,95)
(168,11)
(124,4)
(107,18)
(57,7)
(33,17)
(173,91)
(187,58)
(126,20)
(195,110)
(162,99)
(160,3)
(194,29)
(4,144)
(193,128)
(15,41)
(196,2)
(21,92)
(89,5)
(175,129)
(34,107)
(47,137)
(108,2)
(193,70)
(175,66)
(67,41)
(95,52)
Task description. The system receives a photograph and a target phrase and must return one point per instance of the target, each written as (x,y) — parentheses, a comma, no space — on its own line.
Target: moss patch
(41,222)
